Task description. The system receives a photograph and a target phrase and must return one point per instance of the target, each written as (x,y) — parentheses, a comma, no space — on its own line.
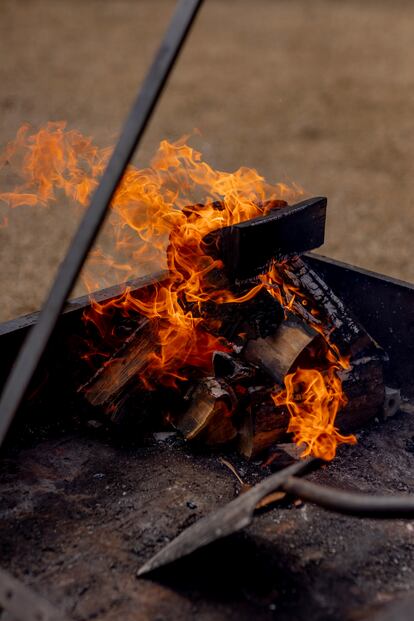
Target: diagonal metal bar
(231,518)
(85,236)
(239,513)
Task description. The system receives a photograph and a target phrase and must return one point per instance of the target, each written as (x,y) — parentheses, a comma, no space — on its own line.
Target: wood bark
(248,248)
(112,385)
(209,416)
(263,423)
(332,318)
(363,385)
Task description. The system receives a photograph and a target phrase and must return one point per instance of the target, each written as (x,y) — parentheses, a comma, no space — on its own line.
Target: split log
(279,353)
(363,385)
(263,423)
(332,318)
(248,248)
(232,368)
(112,385)
(210,416)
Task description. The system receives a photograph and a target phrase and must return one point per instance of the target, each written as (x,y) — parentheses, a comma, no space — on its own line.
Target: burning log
(363,385)
(112,385)
(294,346)
(279,353)
(232,368)
(275,348)
(247,248)
(327,312)
(209,417)
(363,382)
(263,423)
(257,318)
(301,290)
(276,355)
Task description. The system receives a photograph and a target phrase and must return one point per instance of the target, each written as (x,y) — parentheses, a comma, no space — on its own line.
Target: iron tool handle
(352,503)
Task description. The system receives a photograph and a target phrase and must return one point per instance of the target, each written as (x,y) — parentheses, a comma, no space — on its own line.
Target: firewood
(257,318)
(263,423)
(111,386)
(232,368)
(363,381)
(247,248)
(209,416)
(278,354)
(332,317)
(363,385)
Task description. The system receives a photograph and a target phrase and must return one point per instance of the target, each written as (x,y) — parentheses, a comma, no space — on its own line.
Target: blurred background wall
(319,93)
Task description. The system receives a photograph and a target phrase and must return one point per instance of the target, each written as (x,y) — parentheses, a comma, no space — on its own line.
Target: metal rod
(37,340)
(229,519)
(352,503)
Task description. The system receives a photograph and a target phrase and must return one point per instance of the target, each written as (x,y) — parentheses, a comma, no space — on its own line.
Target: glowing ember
(152,223)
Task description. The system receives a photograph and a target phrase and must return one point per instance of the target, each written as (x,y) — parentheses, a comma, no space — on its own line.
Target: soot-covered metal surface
(80,510)
(80,513)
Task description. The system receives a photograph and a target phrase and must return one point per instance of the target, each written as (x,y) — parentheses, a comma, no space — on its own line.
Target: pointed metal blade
(227,520)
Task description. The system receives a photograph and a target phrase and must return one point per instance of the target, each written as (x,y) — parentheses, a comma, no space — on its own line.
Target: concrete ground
(320,93)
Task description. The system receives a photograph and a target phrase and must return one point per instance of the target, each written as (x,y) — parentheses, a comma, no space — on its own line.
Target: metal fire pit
(82,509)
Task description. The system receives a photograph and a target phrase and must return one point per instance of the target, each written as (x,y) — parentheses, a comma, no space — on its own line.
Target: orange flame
(313,399)
(292,299)
(152,224)
(151,218)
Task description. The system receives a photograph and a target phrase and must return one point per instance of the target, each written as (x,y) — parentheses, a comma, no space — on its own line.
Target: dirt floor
(320,93)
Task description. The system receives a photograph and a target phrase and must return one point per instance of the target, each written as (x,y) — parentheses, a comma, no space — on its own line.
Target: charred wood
(209,417)
(330,315)
(256,318)
(263,423)
(247,248)
(111,387)
(363,385)
(232,368)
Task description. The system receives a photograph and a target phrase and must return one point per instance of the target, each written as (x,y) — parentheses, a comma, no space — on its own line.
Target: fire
(313,399)
(294,300)
(160,216)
